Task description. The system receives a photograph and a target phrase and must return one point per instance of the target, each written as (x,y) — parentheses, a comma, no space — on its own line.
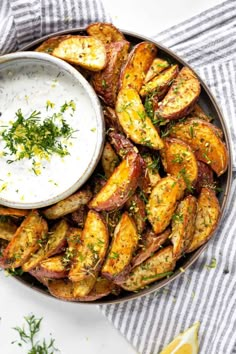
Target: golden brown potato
(106,32)
(137,65)
(181,97)
(13,212)
(179,160)
(205,177)
(162,203)
(157,66)
(152,169)
(105,82)
(53,268)
(51,43)
(121,144)
(120,186)
(7,229)
(52,244)
(26,240)
(109,160)
(102,287)
(160,84)
(151,242)
(183,225)
(134,120)
(159,266)
(83,287)
(92,250)
(124,243)
(198,112)
(88,52)
(68,205)
(62,289)
(136,207)
(208,213)
(207,146)
(78,217)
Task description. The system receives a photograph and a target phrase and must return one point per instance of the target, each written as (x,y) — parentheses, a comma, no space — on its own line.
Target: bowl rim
(44,58)
(195,255)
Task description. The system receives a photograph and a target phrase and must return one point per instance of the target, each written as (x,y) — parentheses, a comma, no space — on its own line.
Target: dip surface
(42,86)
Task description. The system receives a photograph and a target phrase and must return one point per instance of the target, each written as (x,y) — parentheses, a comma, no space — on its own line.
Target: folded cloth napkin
(22,21)
(207,42)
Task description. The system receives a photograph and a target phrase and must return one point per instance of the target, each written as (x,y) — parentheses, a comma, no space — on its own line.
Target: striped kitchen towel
(22,21)
(208,43)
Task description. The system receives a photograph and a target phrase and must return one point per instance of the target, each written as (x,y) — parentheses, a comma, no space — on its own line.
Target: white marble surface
(80,328)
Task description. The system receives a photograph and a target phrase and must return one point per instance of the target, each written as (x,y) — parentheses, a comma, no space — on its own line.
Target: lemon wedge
(184,343)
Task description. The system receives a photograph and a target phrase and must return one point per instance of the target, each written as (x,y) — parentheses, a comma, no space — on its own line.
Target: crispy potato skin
(68,205)
(157,66)
(120,186)
(52,268)
(198,112)
(206,144)
(160,84)
(50,44)
(105,82)
(106,32)
(25,241)
(55,242)
(162,203)
(151,242)
(134,120)
(154,268)
(179,160)
(137,65)
(7,230)
(102,287)
(92,250)
(124,243)
(121,144)
(111,119)
(181,97)
(136,207)
(13,212)
(208,213)
(109,160)
(88,52)
(205,177)
(183,225)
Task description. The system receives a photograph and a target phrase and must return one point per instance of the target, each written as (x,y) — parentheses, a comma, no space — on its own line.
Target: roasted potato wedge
(162,203)
(105,82)
(205,177)
(159,266)
(88,52)
(52,244)
(137,65)
(151,242)
(160,84)
(40,279)
(120,186)
(137,209)
(102,287)
(198,112)
(179,160)
(207,146)
(152,169)
(83,287)
(134,120)
(68,205)
(157,66)
(208,213)
(92,250)
(7,230)
(78,217)
(183,225)
(62,289)
(13,212)
(124,243)
(51,43)
(105,32)
(53,268)
(26,240)
(110,160)
(181,97)
(111,119)
(121,144)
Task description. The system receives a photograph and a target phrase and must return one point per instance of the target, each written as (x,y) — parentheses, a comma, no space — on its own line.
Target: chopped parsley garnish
(212,265)
(32,136)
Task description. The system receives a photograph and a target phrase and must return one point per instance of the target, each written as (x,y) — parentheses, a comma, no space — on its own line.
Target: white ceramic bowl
(31,81)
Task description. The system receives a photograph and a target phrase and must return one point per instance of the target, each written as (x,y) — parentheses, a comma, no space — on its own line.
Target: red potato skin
(42,272)
(205,176)
(124,190)
(121,144)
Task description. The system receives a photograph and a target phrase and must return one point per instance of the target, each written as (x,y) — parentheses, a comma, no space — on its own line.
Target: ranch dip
(39,88)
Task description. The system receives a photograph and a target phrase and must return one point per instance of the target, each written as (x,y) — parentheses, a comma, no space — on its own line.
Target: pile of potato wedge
(153,196)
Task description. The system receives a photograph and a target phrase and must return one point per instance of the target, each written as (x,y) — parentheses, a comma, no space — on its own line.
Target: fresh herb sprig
(28,334)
